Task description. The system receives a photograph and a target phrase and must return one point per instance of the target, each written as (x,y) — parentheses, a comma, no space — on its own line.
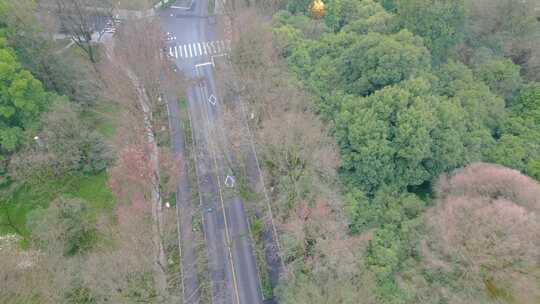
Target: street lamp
(38,141)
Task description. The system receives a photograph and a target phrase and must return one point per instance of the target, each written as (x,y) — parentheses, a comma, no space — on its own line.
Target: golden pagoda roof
(317,8)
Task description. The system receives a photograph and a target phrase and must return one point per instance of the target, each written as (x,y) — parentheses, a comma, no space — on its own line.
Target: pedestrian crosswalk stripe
(197,49)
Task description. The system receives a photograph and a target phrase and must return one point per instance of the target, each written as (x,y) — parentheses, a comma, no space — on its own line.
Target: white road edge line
(197,173)
(179,7)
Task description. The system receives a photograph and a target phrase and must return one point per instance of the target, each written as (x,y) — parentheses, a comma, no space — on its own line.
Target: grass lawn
(103,116)
(92,189)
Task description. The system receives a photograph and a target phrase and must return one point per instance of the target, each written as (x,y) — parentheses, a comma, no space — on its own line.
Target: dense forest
(409,92)
(399,139)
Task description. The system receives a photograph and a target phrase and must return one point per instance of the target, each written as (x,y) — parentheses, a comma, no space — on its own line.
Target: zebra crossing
(197,49)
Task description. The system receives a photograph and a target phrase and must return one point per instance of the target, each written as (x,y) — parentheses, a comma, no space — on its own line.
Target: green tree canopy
(405,135)
(363,16)
(372,18)
(22,100)
(483,107)
(374,61)
(502,76)
(355,64)
(439,22)
(519,143)
(386,136)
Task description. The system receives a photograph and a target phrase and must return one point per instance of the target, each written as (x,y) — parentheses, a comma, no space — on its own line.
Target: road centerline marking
(204,93)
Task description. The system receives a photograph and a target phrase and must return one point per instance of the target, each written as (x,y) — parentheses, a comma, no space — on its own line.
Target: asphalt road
(233,270)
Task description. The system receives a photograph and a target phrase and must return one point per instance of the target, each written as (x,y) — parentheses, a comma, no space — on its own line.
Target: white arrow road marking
(229,181)
(212,99)
(203,64)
